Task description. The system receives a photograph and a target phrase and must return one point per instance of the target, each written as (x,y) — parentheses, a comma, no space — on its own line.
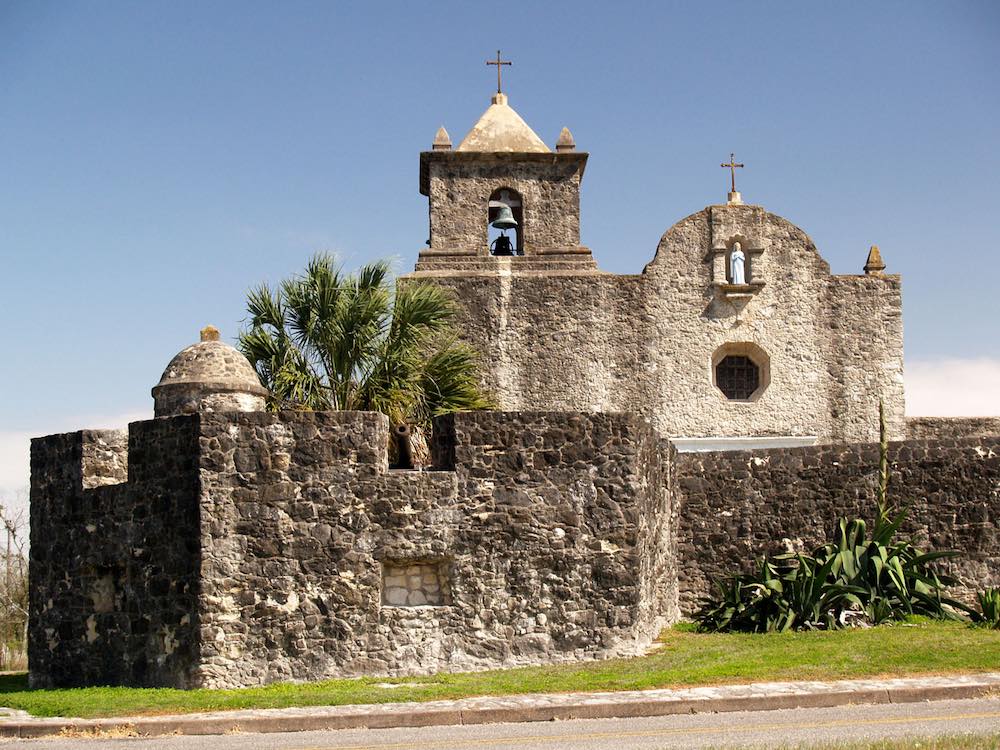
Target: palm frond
(329,340)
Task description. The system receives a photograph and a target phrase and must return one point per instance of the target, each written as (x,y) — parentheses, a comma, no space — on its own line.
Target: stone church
(657,431)
(788,354)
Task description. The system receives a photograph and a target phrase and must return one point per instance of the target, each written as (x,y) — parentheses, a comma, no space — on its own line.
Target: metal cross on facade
(499,63)
(732,165)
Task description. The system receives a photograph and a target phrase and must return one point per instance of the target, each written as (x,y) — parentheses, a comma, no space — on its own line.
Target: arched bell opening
(505,222)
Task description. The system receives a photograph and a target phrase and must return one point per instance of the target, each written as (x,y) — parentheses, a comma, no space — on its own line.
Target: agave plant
(989,608)
(330,340)
(752,602)
(855,577)
(888,579)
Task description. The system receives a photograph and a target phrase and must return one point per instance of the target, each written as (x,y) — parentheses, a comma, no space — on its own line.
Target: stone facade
(591,341)
(416,584)
(736,506)
(557,333)
(459,185)
(114,566)
(248,548)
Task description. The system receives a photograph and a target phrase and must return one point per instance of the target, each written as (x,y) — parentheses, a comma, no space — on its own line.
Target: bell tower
(503,195)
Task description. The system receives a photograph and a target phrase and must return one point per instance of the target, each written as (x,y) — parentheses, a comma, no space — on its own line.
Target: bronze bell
(504,219)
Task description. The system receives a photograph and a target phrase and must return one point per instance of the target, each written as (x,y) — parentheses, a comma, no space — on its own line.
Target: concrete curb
(548,708)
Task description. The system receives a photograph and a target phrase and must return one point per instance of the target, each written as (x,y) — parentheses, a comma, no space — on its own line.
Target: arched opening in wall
(506,211)
(741,371)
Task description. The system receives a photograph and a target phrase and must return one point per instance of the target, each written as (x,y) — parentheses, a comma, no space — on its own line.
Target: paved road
(758,729)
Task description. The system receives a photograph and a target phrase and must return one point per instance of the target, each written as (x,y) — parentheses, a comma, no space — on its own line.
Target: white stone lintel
(706,444)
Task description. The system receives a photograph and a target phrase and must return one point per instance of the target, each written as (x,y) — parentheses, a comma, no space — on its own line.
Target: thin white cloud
(953,388)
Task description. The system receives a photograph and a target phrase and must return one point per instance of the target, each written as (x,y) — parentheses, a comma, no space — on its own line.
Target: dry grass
(117,732)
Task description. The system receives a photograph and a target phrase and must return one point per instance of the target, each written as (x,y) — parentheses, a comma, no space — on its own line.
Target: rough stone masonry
(220,545)
(246,548)
(555,332)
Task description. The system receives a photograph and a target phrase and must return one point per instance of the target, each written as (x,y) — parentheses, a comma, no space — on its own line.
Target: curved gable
(694,238)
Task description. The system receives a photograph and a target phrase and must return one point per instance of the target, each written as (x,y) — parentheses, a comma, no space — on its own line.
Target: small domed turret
(208,376)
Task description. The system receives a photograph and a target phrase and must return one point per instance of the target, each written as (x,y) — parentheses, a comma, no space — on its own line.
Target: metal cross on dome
(732,165)
(499,63)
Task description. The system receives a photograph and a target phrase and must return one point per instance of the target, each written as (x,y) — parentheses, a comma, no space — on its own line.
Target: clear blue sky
(159,158)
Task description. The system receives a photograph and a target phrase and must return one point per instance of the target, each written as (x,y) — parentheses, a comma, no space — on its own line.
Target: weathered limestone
(442,141)
(565,141)
(501,153)
(500,129)
(951,428)
(874,265)
(114,568)
(554,332)
(208,376)
(594,341)
(249,548)
(416,584)
(220,545)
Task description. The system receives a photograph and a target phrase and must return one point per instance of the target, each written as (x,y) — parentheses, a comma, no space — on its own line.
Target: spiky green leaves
(857,577)
(989,608)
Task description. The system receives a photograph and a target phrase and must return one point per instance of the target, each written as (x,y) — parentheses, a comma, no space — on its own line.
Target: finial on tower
(734,198)
(209,333)
(875,266)
(565,142)
(442,141)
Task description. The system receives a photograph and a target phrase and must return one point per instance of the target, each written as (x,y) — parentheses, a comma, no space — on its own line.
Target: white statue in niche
(737,265)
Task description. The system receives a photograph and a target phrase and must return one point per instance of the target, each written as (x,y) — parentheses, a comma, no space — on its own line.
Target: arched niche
(748,260)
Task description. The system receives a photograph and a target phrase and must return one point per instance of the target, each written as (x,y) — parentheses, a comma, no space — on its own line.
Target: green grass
(685,658)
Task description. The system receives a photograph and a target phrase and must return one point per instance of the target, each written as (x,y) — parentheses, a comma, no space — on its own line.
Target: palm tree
(326,340)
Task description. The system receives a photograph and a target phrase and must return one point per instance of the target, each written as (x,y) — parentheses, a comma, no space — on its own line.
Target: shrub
(13,589)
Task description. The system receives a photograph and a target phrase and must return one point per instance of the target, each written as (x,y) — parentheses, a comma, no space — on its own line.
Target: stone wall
(104,457)
(113,566)
(544,557)
(459,185)
(736,506)
(559,341)
(951,428)
(416,584)
(247,548)
(864,356)
(584,340)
